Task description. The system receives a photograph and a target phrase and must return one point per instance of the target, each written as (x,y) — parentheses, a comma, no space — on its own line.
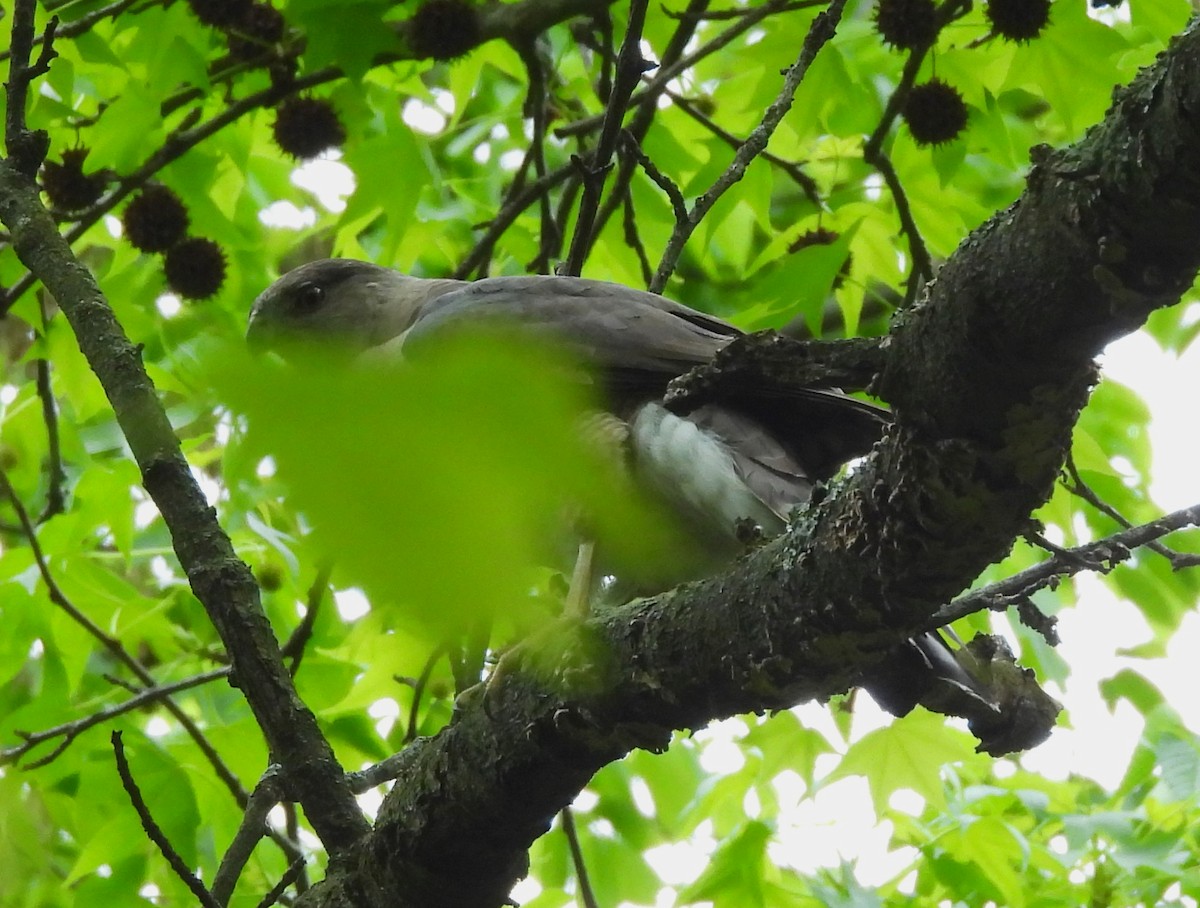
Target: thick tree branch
(986,375)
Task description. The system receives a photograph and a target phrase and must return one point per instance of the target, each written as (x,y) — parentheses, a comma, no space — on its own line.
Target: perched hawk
(752,457)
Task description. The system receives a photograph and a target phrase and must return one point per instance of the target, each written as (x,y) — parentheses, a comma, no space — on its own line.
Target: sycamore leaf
(909,753)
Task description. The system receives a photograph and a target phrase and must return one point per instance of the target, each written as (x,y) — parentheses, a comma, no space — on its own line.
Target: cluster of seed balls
(935,111)
(156,220)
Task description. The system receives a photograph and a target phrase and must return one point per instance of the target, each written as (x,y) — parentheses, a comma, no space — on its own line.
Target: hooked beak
(258,334)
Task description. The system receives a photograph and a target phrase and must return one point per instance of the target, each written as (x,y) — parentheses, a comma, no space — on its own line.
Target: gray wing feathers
(613,327)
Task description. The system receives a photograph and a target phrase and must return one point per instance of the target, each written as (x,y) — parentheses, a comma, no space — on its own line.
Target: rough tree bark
(986,374)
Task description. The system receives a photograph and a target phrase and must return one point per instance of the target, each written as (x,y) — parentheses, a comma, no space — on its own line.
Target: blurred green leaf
(734,874)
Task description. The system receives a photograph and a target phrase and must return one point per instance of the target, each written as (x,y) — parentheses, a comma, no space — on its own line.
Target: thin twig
(550,247)
(873,154)
(922,264)
(667,73)
(1081,489)
(1104,554)
(69,731)
(291,824)
(823,28)
(377,773)
(604,25)
(631,65)
(504,219)
(643,117)
(154,831)
(535,110)
(77,27)
(720,15)
(292,875)
(585,886)
(297,640)
(410,731)
(114,646)
(633,239)
(806,183)
(267,793)
(660,179)
(56,475)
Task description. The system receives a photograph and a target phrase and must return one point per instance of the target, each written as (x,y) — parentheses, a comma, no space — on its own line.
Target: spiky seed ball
(907,24)
(443,29)
(1018,20)
(261,26)
(935,112)
(155,220)
(305,127)
(282,71)
(195,268)
(219,13)
(67,186)
(269,577)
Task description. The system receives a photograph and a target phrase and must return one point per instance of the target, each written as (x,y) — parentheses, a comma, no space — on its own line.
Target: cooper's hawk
(751,458)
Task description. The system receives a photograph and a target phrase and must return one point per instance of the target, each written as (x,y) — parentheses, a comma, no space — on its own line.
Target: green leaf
(375,162)
(127,127)
(909,753)
(1180,762)
(389,466)
(993,847)
(349,35)
(734,874)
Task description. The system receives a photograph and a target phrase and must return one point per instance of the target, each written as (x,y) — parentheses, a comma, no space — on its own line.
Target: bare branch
(377,774)
(292,875)
(806,183)
(267,793)
(69,731)
(77,27)
(1081,489)
(873,154)
(667,72)
(293,647)
(822,31)
(718,15)
(581,872)
(634,240)
(56,476)
(154,831)
(26,148)
(661,180)
(630,67)
(505,217)
(1102,555)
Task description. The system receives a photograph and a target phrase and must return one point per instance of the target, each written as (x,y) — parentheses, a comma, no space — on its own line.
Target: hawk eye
(309,296)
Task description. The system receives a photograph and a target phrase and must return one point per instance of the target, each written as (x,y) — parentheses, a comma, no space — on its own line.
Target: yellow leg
(579,595)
